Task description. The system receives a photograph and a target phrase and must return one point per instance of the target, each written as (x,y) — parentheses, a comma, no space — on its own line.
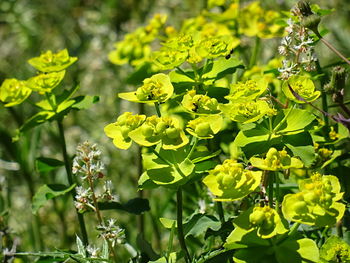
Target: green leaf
(47,192)
(301,145)
(256,140)
(105,250)
(84,102)
(80,247)
(168,223)
(173,172)
(198,224)
(182,80)
(220,68)
(36,120)
(297,251)
(134,206)
(146,247)
(295,121)
(44,165)
(217,256)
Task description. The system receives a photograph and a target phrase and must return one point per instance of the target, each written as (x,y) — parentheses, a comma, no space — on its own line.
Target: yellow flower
(303,86)
(14,91)
(276,160)
(157,88)
(230,181)
(205,127)
(51,62)
(119,130)
(44,83)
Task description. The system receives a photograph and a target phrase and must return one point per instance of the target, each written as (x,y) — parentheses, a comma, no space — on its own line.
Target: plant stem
(277,191)
(271,181)
(195,141)
(254,56)
(220,212)
(159,156)
(331,47)
(71,181)
(97,210)
(293,229)
(180,231)
(324,95)
(156,104)
(141,217)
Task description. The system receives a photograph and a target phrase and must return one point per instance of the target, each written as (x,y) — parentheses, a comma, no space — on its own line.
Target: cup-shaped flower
(160,129)
(230,181)
(168,58)
(205,127)
(14,91)
(119,130)
(303,87)
(248,111)
(200,104)
(45,83)
(216,46)
(265,220)
(157,88)
(316,203)
(276,160)
(247,91)
(51,62)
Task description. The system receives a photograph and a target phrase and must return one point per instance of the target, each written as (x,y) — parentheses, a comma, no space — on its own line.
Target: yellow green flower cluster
(276,160)
(157,88)
(146,131)
(205,127)
(200,104)
(51,67)
(135,47)
(244,105)
(316,203)
(230,181)
(300,89)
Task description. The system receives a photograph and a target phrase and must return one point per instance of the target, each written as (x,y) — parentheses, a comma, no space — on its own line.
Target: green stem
(194,145)
(255,53)
(220,212)
(71,181)
(141,217)
(270,129)
(277,191)
(293,229)
(180,231)
(331,47)
(156,104)
(270,194)
(160,157)
(323,96)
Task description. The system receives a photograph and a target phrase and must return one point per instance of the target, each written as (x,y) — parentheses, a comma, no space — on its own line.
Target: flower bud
(147,130)
(202,129)
(311,22)
(172,133)
(257,217)
(304,8)
(300,207)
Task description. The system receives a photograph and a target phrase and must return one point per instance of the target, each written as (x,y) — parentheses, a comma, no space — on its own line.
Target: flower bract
(276,160)
(51,62)
(157,88)
(119,131)
(316,203)
(14,92)
(230,181)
